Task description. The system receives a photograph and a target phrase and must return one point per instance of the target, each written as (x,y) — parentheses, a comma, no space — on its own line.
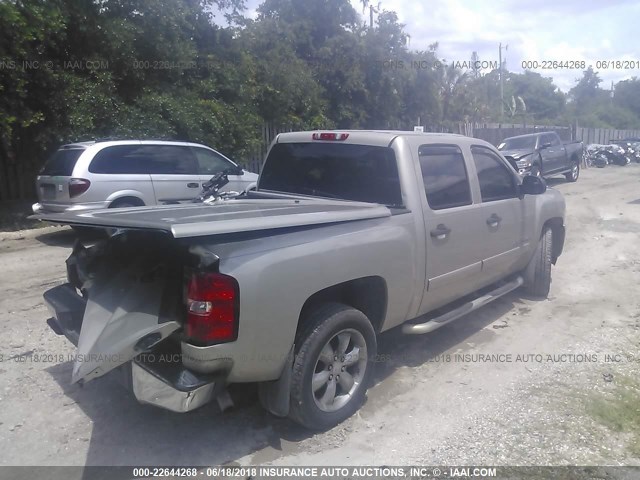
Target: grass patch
(619,410)
(14,213)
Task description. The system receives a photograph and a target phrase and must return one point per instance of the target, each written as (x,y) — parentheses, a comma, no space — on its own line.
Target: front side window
(210,163)
(444,174)
(553,140)
(496,180)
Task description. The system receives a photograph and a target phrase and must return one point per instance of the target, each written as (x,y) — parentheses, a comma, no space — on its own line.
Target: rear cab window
(444,174)
(62,163)
(344,171)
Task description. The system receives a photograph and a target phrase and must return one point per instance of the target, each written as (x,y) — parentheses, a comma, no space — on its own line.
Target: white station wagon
(128,173)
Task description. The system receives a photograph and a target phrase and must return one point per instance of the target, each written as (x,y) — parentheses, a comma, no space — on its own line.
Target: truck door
(500,220)
(553,154)
(453,262)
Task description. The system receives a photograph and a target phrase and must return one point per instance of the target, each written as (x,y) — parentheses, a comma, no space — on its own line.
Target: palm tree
(451,83)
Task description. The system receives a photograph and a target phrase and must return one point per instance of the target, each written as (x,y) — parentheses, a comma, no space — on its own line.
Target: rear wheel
(126,203)
(333,366)
(573,175)
(537,275)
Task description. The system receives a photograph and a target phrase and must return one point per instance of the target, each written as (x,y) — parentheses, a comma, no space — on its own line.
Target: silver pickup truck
(349,234)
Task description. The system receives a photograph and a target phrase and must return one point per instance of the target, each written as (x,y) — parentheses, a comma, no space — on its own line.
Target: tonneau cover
(231,216)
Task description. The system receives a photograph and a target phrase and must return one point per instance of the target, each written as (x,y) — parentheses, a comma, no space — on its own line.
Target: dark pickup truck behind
(543,154)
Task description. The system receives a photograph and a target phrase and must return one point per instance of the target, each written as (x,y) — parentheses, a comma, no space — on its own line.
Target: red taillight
(77,186)
(213,304)
(330,136)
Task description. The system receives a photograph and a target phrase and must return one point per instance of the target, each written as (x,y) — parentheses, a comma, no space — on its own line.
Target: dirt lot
(518,382)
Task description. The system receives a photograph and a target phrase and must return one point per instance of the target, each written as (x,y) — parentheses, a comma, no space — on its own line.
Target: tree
(543,100)
(627,95)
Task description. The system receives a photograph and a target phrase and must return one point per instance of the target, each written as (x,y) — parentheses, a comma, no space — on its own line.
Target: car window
(119,159)
(362,173)
(144,159)
(549,138)
(170,160)
(518,143)
(444,174)
(62,162)
(497,182)
(210,162)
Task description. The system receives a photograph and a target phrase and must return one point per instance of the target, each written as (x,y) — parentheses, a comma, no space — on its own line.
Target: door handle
(493,220)
(440,232)
(193,185)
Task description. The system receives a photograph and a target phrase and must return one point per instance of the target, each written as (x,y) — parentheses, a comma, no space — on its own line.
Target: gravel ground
(519,382)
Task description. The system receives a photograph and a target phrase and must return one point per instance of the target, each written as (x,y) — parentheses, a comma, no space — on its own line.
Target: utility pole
(501,80)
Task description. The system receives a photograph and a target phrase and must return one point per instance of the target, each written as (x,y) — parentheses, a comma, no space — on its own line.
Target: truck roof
(530,134)
(372,137)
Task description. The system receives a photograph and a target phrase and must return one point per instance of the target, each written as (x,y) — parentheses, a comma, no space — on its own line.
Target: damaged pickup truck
(349,234)
(543,154)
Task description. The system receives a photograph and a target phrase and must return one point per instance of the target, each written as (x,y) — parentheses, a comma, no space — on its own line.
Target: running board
(450,316)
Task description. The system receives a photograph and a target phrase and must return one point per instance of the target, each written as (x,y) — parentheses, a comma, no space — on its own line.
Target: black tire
(573,175)
(322,327)
(126,204)
(537,275)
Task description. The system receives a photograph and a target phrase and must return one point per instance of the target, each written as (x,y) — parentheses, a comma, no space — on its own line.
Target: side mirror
(235,171)
(532,185)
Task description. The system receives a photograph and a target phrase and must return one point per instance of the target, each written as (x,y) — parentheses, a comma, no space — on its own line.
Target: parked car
(349,234)
(111,174)
(543,154)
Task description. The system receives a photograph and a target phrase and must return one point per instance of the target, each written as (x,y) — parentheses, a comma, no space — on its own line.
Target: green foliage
(76,70)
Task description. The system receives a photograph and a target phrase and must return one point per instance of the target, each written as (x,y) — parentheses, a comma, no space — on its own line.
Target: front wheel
(332,367)
(573,175)
(537,275)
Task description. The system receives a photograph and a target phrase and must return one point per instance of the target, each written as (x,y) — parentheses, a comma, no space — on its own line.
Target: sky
(532,31)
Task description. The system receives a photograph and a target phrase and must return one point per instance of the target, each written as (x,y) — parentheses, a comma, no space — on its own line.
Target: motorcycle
(602,155)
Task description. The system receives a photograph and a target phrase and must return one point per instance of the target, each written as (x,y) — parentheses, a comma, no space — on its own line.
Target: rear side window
(361,173)
(62,162)
(145,159)
(496,180)
(444,174)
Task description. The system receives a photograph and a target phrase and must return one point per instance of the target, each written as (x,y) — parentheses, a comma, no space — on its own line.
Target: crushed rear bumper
(157,377)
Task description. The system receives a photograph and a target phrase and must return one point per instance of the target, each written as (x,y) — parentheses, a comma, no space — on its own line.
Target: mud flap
(122,318)
(275,396)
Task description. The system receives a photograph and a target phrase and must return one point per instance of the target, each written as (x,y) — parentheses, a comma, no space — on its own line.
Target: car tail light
(77,186)
(330,136)
(213,308)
